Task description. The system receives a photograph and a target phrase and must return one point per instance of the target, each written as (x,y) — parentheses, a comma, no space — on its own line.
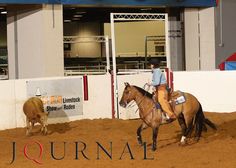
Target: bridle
(138,103)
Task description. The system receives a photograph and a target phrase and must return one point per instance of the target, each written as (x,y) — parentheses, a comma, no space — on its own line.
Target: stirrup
(165,119)
(170,120)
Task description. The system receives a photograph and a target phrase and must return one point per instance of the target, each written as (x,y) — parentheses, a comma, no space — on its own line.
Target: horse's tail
(201,122)
(210,124)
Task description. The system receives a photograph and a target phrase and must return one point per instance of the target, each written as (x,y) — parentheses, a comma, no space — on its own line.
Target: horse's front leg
(139,130)
(27,127)
(44,129)
(154,137)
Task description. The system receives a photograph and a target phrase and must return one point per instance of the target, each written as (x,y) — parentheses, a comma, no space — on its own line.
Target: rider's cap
(154,61)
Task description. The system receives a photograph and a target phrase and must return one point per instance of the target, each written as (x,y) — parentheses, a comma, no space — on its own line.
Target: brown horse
(189,113)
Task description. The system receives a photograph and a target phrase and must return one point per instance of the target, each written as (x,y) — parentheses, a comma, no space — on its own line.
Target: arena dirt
(216,149)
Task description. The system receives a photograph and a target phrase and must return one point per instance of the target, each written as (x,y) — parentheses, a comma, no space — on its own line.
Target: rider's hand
(148,84)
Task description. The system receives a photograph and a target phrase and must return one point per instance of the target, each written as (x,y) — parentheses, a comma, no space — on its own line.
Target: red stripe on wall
(112,96)
(171,80)
(85,80)
(167,76)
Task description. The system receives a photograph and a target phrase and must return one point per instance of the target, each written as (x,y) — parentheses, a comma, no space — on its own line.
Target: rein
(133,103)
(143,97)
(140,101)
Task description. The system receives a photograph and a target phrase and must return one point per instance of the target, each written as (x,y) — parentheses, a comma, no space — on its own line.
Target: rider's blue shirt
(157,77)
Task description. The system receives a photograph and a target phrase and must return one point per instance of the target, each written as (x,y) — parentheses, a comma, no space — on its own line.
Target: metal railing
(141,54)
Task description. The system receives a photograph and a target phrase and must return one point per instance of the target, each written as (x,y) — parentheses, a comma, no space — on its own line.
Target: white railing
(141,54)
(82,70)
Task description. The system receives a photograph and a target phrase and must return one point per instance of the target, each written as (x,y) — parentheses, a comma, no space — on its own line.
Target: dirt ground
(216,149)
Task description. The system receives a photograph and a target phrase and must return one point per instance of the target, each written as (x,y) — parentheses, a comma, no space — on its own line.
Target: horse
(189,113)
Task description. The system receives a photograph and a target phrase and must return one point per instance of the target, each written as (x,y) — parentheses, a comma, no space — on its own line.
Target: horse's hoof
(183,143)
(196,139)
(28,134)
(45,132)
(154,149)
(140,143)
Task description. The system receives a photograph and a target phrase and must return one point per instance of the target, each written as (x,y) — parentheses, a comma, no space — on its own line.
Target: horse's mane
(144,92)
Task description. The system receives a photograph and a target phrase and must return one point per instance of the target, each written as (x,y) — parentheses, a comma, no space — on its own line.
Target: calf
(34,111)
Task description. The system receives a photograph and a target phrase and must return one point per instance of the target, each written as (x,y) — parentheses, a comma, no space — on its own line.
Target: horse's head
(128,95)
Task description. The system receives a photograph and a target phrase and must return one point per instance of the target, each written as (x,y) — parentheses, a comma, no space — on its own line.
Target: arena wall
(7,104)
(214,89)
(13,95)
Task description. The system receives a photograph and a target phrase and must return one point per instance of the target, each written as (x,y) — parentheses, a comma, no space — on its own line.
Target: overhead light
(76,19)
(78,15)
(72,8)
(1,7)
(80,12)
(67,21)
(4,12)
(146,9)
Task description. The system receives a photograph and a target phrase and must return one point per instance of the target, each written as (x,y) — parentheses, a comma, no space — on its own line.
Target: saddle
(175,98)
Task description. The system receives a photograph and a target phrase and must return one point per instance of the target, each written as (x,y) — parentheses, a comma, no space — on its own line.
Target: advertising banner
(61,97)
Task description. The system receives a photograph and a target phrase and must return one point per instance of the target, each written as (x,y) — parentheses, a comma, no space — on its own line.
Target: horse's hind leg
(199,123)
(187,132)
(139,130)
(182,123)
(154,137)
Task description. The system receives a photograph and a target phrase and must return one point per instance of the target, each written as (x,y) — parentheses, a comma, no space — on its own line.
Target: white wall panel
(99,104)
(14,94)
(214,89)
(7,104)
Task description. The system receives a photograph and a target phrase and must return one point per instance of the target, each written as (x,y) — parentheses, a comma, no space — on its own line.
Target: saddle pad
(180,100)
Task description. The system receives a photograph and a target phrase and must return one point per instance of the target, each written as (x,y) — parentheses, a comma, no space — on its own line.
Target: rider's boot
(171,118)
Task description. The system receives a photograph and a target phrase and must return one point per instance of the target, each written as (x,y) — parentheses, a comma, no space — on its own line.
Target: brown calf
(34,111)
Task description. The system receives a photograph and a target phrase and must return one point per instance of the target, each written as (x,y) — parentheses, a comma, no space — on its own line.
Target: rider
(159,82)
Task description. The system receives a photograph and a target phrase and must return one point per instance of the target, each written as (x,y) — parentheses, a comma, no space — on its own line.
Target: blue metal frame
(167,3)
(30,1)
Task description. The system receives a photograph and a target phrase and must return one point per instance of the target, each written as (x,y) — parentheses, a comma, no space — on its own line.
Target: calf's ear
(127,84)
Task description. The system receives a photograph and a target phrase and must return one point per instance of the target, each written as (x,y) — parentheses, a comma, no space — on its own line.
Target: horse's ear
(127,84)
